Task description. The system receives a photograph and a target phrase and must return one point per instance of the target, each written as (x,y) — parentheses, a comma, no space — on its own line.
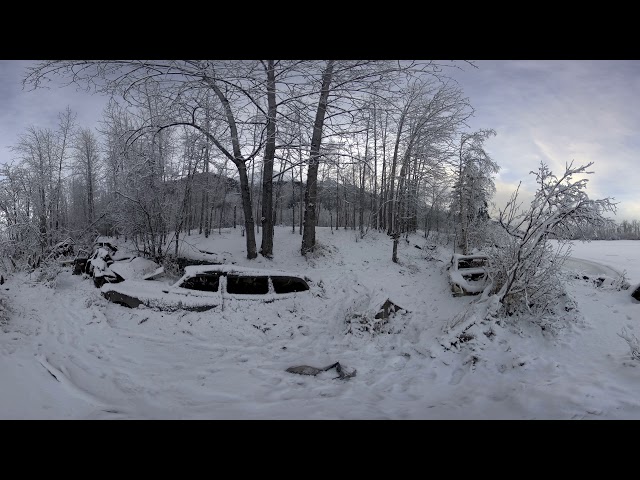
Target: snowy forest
(187,145)
(242,151)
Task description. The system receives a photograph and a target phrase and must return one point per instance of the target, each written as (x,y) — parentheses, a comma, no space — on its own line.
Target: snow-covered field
(66,352)
(621,256)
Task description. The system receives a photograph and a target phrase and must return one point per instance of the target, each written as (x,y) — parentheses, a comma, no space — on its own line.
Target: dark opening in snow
(472,262)
(473,276)
(185,262)
(247,285)
(289,284)
(205,282)
(122,299)
(79,266)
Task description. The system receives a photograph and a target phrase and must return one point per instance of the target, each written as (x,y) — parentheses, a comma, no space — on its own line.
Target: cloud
(504,191)
(559,111)
(40,108)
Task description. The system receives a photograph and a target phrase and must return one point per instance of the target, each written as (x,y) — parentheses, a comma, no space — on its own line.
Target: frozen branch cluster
(632,340)
(525,280)
(526,267)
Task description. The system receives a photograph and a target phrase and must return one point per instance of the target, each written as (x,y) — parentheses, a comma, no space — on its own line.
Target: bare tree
(240,106)
(38,151)
(65,131)
(432,114)
(309,233)
(183,85)
(86,157)
(269,153)
(560,208)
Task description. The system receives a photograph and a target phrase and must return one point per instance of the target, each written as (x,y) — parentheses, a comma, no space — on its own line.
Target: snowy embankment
(66,352)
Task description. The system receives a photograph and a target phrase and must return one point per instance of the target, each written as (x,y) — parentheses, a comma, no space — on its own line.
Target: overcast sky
(554,111)
(21,108)
(557,111)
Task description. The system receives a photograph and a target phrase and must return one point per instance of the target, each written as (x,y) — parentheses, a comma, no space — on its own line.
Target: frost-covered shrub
(48,273)
(431,252)
(480,235)
(621,282)
(172,268)
(526,272)
(537,287)
(5,310)
(556,315)
(359,322)
(371,316)
(320,251)
(632,341)
(525,276)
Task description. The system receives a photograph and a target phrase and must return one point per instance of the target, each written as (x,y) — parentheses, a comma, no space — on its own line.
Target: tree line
(185,145)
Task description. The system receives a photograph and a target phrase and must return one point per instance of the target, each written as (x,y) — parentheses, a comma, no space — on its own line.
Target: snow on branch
(632,340)
(560,209)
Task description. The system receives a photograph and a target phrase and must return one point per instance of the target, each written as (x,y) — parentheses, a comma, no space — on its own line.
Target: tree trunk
(382,214)
(309,234)
(394,256)
(353,197)
(374,198)
(337,199)
(301,195)
(362,175)
(246,208)
(345,203)
(240,164)
(205,199)
(394,162)
(88,152)
(224,198)
(266,248)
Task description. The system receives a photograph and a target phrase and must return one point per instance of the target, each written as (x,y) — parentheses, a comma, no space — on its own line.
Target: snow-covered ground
(620,256)
(66,352)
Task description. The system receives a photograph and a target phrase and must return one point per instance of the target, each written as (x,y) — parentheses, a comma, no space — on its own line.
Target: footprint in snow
(397,363)
(457,375)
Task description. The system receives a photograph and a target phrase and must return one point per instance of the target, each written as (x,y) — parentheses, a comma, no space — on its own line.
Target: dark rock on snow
(308,370)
